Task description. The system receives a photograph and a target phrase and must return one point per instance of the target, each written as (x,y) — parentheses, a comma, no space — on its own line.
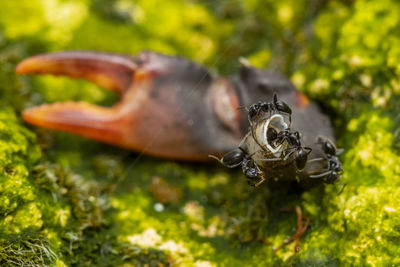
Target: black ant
(237,157)
(293,138)
(276,105)
(334,169)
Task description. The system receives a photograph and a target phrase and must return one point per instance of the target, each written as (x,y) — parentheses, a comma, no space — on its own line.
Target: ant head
(253,110)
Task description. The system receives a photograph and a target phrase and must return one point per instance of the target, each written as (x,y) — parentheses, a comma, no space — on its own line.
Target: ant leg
(309,149)
(220,160)
(300,231)
(262,179)
(316,159)
(312,174)
(274,159)
(280,159)
(320,175)
(289,154)
(339,151)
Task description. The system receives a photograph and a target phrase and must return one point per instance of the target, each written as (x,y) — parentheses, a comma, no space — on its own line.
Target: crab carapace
(173,108)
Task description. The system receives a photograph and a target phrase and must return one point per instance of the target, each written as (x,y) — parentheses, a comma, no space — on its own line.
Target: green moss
(65,200)
(26,251)
(21,205)
(354,71)
(355,56)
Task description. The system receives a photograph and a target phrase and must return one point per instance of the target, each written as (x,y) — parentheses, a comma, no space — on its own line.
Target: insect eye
(271,134)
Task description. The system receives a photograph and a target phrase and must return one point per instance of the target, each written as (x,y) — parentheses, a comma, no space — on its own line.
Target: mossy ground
(65,200)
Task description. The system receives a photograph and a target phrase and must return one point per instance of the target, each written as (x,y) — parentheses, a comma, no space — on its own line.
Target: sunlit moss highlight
(65,200)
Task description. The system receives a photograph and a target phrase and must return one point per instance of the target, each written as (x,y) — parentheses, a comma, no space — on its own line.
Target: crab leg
(169,107)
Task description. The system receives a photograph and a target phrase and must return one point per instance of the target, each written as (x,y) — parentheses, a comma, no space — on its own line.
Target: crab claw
(169,106)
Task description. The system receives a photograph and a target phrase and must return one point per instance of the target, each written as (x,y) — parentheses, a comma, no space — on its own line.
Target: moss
(26,251)
(49,214)
(65,200)
(351,58)
(21,211)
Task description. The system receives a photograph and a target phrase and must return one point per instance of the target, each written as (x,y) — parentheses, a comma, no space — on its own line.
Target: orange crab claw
(169,107)
(110,71)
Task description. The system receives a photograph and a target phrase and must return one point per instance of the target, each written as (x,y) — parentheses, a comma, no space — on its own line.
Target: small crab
(173,108)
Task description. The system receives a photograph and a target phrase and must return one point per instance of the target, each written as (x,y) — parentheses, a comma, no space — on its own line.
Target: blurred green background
(65,200)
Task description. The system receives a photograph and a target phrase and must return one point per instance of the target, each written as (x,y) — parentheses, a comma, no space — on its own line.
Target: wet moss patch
(65,200)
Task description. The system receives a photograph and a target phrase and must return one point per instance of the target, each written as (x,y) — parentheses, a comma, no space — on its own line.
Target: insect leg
(320,175)
(315,159)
